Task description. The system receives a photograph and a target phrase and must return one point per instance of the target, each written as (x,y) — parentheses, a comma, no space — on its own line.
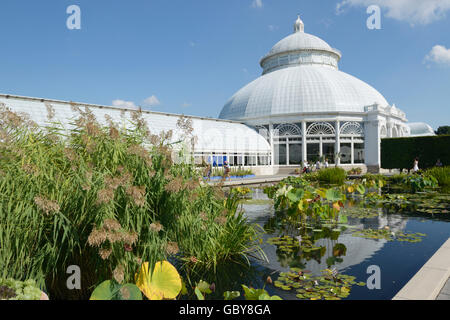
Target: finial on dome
(299,25)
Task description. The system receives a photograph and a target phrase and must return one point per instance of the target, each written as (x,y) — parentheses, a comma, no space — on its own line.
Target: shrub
(19,290)
(238,172)
(332,175)
(399,153)
(397,178)
(355,171)
(441,174)
(105,199)
(420,182)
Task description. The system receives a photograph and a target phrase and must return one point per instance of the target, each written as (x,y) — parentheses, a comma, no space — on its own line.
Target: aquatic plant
(330,285)
(111,290)
(420,182)
(332,175)
(441,174)
(389,235)
(163,282)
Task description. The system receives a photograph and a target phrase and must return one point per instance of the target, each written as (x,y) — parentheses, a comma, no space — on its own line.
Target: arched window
(394,132)
(288,129)
(352,128)
(383,131)
(321,128)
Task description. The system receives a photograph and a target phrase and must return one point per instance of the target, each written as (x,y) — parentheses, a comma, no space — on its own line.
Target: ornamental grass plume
(46,205)
(100,197)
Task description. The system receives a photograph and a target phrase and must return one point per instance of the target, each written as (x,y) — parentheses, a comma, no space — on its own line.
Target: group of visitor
(308,167)
(416,164)
(226,168)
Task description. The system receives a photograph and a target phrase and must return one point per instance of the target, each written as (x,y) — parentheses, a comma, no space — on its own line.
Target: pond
(398,261)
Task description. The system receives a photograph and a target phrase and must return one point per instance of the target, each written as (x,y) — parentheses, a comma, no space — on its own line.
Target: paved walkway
(445,292)
(257,180)
(432,281)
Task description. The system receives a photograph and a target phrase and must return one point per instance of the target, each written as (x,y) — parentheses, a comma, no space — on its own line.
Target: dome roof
(301,89)
(299,41)
(301,75)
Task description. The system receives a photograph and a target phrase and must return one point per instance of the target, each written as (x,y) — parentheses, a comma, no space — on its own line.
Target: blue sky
(190,56)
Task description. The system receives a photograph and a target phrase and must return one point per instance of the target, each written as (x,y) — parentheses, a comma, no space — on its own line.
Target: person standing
(326,165)
(416,165)
(305,167)
(318,165)
(226,168)
(208,172)
(439,163)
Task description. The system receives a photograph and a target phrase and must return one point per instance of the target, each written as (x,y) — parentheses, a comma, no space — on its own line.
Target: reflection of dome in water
(358,249)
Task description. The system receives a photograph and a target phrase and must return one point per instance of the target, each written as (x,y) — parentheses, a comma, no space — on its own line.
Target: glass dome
(301,75)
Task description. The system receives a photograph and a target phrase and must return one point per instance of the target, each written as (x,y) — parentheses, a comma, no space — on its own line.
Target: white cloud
(192,43)
(186,104)
(257,4)
(273,28)
(439,54)
(151,101)
(411,11)
(124,104)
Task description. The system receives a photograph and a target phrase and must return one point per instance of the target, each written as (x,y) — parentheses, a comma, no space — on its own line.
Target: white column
(304,146)
(353,152)
(337,146)
(321,147)
(272,145)
(372,143)
(287,151)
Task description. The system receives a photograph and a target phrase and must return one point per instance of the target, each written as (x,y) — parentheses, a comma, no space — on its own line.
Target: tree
(443,130)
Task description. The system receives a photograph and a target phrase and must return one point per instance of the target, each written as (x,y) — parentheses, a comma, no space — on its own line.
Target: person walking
(439,163)
(226,168)
(305,167)
(416,165)
(318,165)
(208,172)
(326,165)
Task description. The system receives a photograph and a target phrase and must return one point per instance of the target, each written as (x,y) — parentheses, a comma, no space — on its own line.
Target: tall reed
(105,198)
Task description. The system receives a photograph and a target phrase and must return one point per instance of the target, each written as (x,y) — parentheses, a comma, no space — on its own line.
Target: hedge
(399,153)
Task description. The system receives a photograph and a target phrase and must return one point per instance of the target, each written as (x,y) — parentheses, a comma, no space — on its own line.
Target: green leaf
(204,287)
(110,290)
(230,295)
(360,188)
(199,294)
(295,195)
(333,195)
(163,283)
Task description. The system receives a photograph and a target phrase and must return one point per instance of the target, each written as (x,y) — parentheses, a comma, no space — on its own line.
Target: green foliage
(420,182)
(237,172)
(355,171)
(111,290)
(332,175)
(106,198)
(11,289)
(330,285)
(398,178)
(442,175)
(257,294)
(399,153)
(388,235)
(443,130)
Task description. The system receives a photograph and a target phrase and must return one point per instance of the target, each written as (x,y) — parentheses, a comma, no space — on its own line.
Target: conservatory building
(308,109)
(302,108)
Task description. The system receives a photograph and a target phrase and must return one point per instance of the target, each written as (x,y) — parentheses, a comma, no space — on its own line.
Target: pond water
(398,261)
